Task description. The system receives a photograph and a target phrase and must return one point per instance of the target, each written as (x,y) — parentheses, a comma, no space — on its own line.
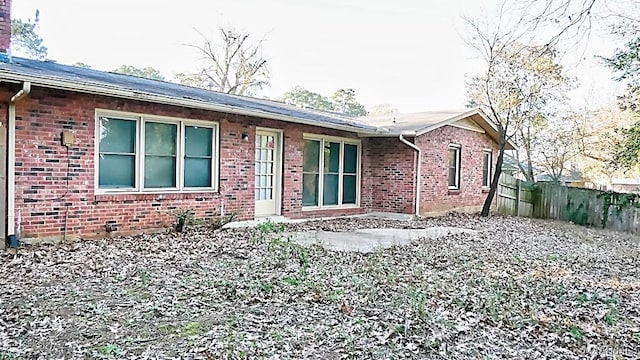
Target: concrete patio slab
(284,220)
(369,240)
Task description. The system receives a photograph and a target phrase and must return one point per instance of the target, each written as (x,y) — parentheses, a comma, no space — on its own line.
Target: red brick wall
(5,25)
(44,207)
(390,175)
(435,194)
(292,174)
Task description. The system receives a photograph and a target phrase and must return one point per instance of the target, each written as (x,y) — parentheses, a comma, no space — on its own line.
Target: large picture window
(331,172)
(454,167)
(139,153)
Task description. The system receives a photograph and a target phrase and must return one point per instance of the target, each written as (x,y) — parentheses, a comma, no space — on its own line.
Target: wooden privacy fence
(611,210)
(515,197)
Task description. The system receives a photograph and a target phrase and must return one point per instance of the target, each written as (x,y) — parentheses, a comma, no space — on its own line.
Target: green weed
(109,349)
(191,329)
(611,317)
(418,301)
(270,227)
(576,333)
(145,276)
(292,280)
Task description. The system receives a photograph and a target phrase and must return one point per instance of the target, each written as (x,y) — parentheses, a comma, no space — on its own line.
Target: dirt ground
(517,288)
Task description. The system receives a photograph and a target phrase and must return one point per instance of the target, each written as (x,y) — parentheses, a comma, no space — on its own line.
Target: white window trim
(458,176)
(486,152)
(342,141)
(141,119)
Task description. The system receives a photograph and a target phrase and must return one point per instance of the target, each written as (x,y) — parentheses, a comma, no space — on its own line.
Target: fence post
(518,197)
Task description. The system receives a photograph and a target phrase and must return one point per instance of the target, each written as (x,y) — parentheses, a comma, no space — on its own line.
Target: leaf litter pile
(518,288)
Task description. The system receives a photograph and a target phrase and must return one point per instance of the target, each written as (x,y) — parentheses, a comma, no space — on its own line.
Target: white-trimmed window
(136,153)
(331,172)
(486,168)
(454,167)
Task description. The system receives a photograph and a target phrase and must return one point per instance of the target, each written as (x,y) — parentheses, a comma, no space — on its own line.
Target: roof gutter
(197,104)
(418,170)
(11,159)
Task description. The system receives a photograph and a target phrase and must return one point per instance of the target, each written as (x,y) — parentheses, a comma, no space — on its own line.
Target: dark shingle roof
(35,69)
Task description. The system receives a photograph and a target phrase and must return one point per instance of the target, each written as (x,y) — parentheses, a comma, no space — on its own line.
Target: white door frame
(278,164)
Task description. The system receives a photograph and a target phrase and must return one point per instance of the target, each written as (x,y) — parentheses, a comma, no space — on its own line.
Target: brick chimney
(5,27)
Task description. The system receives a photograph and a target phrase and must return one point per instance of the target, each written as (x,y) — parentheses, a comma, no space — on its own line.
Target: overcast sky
(407,53)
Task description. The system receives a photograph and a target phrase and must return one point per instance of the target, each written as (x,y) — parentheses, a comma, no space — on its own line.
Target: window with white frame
(486,168)
(454,167)
(331,172)
(148,153)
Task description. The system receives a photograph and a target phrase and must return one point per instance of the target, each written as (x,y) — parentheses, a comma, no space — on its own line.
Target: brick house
(85,152)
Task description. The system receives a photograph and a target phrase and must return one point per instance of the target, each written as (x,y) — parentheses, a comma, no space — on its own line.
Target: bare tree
(382,109)
(556,147)
(232,64)
(572,21)
(515,87)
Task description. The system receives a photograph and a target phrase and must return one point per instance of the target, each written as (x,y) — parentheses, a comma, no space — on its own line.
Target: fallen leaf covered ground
(519,288)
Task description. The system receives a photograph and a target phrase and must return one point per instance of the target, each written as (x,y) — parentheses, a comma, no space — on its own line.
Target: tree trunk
(496,178)
(527,149)
(530,176)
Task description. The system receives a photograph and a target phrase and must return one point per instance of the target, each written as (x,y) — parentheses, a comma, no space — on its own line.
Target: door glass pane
(198,141)
(160,139)
(159,171)
(350,158)
(349,189)
(117,136)
(116,171)
(331,157)
(311,156)
(330,192)
(197,172)
(310,190)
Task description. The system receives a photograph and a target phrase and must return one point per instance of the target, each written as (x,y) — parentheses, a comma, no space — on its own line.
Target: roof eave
(114,91)
(477,111)
(387,133)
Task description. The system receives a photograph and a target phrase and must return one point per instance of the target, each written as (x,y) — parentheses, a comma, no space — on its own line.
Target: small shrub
(222,220)
(184,219)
